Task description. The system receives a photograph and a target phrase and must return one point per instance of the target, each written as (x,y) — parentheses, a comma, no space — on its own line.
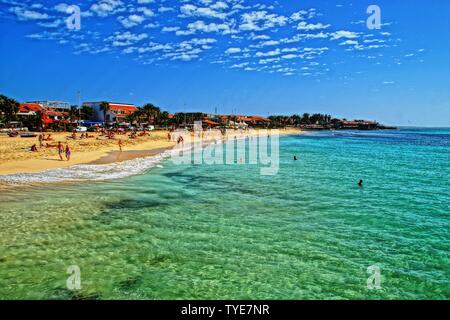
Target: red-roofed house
(49,115)
(29,109)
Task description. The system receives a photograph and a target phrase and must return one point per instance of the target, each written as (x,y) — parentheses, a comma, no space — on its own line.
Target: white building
(117,111)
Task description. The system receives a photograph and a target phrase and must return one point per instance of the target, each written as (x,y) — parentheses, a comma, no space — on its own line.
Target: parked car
(81,129)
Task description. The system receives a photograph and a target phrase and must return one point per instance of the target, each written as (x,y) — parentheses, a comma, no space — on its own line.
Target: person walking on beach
(41,138)
(60,150)
(68,152)
(120,145)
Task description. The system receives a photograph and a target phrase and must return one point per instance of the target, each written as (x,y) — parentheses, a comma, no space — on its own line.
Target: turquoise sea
(226,232)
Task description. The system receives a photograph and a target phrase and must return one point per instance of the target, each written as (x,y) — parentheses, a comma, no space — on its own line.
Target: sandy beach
(16,157)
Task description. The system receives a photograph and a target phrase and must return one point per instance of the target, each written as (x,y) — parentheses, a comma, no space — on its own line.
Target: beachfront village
(55,116)
(44,135)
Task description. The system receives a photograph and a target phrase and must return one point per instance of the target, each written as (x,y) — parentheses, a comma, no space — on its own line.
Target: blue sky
(239,56)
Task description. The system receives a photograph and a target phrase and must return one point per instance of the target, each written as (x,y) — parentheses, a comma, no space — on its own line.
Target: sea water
(170,231)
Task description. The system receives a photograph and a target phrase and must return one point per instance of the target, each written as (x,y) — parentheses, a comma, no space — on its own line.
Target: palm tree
(164,118)
(131,118)
(9,107)
(138,116)
(151,111)
(86,112)
(74,114)
(105,107)
(305,119)
(180,118)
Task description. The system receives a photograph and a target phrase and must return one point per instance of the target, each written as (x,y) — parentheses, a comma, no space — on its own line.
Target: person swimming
(360,183)
(295,158)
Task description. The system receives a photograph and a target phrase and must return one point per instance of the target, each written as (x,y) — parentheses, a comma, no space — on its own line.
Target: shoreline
(48,160)
(99,156)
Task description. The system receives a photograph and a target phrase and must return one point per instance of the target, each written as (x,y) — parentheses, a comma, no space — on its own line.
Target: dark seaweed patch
(130,283)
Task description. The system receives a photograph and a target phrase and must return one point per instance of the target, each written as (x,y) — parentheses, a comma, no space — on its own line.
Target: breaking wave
(88,172)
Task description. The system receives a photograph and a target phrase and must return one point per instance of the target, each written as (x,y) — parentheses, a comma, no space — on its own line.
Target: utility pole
(79,105)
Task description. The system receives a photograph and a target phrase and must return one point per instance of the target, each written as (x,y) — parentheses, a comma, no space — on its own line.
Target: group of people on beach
(60,147)
(43,138)
(62,150)
(83,136)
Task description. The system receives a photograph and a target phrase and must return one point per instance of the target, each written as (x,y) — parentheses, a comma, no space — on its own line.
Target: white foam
(88,172)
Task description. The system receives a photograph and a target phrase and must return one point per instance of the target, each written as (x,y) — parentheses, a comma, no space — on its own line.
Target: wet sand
(120,156)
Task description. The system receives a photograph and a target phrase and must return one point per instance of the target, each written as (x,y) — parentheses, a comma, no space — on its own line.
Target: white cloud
(201,26)
(344,34)
(170,29)
(105,8)
(349,42)
(289,56)
(261,20)
(239,65)
(209,12)
(146,11)
(233,50)
(24,14)
(131,21)
(125,39)
(309,27)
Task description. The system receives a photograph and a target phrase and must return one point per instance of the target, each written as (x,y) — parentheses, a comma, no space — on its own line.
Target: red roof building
(30,108)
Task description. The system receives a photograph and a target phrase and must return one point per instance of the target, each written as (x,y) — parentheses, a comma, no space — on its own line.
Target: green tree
(164,118)
(152,112)
(305,118)
(74,114)
(8,108)
(105,107)
(86,112)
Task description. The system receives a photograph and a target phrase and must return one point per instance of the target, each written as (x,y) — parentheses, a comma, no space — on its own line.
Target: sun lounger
(28,135)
